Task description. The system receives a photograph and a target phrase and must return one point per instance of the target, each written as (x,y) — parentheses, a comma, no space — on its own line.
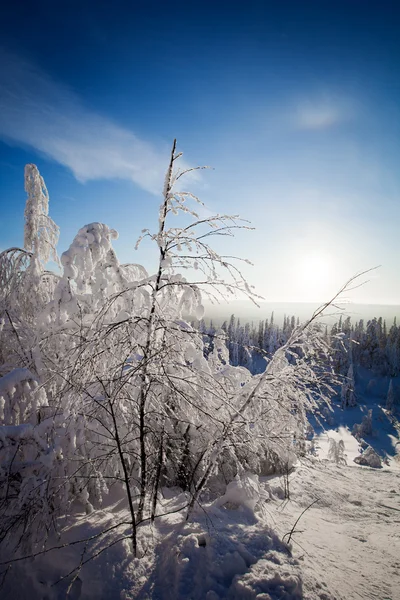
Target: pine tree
(391,398)
(348,389)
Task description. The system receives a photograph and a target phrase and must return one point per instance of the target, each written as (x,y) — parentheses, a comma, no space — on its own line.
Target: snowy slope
(349,539)
(338,424)
(345,546)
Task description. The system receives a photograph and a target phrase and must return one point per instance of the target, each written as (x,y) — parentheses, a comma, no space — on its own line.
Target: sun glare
(314,275)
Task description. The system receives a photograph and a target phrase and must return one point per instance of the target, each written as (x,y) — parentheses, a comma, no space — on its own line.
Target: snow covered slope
(346,546)
(350,539)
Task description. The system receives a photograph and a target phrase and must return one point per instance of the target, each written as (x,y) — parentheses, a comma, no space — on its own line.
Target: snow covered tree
(348,395)
(25,285)
(365,427)
(41,233)
(373,357)
(124,395)
(233,341)
(391,399)
(336,452)
(393,349)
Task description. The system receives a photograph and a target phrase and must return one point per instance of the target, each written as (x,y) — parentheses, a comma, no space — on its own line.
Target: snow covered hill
(349,541)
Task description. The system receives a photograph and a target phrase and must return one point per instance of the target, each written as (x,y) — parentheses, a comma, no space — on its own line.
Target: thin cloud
(321,113)
(48,116)
(318,117)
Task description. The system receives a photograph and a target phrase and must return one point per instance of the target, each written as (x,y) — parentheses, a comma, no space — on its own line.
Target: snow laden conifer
(391,399)
(40,241)
(360,430)
(336,452)
(348,395)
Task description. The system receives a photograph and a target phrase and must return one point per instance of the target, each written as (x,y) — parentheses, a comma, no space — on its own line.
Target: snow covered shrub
(20,398)
(244,491)
(127,397)
(365,427)
(369,458)
(33,463)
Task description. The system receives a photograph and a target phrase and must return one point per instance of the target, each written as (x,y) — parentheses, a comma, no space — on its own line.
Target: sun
(314,274)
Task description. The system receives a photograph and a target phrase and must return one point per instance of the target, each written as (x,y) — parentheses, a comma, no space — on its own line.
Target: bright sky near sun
(295,104)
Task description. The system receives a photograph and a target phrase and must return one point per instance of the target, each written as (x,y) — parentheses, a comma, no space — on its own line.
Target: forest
(372,345)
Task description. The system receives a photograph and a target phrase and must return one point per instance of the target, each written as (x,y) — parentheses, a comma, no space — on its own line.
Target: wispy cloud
(48,116)
(321,113)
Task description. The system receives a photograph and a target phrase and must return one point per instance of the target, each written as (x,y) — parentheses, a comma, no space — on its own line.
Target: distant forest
(369,344)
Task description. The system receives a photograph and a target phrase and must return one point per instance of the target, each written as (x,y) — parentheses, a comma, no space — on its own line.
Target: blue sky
(296,105)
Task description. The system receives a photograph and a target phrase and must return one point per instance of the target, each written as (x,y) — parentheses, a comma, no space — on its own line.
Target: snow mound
(369,458)
(244,490)
(270,578)
(222,553)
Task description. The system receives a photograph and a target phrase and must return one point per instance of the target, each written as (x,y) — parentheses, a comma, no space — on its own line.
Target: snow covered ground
(346,546)
(349,541)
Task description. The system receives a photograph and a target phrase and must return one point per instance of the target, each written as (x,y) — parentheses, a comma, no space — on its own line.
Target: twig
(292,531)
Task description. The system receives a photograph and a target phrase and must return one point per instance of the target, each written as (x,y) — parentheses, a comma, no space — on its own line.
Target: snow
(9,381)
(369,458)
(347,545)
(243,491)
(366,424)
(349,541)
